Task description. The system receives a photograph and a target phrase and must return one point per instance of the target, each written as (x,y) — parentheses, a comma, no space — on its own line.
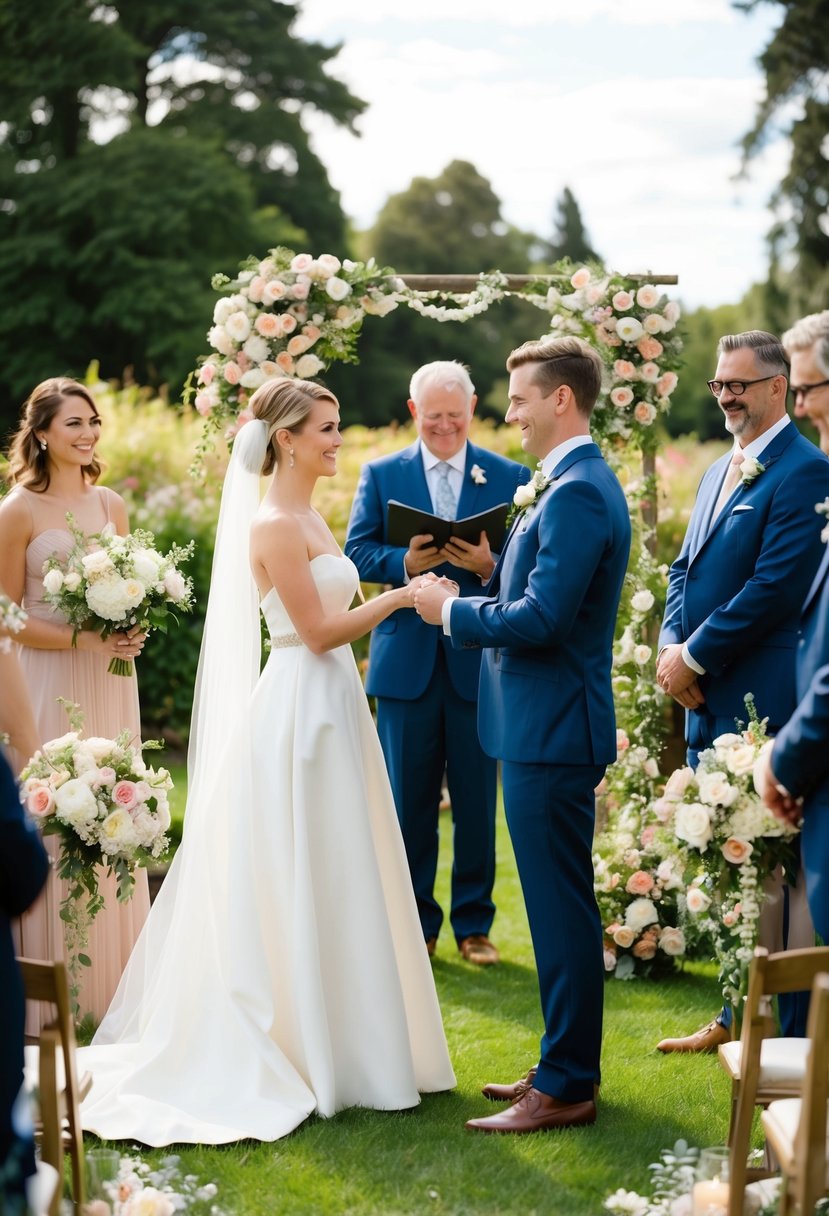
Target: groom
(546,709)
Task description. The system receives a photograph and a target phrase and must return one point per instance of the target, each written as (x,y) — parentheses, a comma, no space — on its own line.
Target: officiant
(426,691)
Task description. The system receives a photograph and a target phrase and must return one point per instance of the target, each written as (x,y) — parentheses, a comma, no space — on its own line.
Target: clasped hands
(429,595)
(677,679)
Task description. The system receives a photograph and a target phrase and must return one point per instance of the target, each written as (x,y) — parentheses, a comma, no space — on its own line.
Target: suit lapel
(414,490)
(819,579)
(468,499)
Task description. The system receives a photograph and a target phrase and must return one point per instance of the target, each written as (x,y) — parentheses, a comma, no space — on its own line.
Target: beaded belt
(285,639)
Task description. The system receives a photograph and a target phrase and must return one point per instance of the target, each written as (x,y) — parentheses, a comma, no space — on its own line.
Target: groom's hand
(677,679)
(430,598)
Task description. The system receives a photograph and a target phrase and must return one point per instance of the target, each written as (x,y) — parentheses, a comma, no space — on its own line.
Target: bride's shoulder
(273,527)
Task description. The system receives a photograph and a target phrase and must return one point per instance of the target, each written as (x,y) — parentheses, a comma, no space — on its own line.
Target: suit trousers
(422,739)
(550,811)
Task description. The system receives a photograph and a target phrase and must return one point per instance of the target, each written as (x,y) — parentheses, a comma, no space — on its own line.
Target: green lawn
(364,1162)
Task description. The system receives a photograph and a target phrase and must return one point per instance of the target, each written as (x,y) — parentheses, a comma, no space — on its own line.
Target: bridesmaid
(54,469)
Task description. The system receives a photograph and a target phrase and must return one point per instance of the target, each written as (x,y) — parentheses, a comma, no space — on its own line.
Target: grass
(369,1163)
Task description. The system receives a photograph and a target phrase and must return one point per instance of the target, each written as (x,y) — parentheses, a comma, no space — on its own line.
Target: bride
(282,969)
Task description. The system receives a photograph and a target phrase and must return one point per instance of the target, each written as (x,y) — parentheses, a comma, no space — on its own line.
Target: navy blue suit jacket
(800,759)
(546,694)
(403,648)
(736,589)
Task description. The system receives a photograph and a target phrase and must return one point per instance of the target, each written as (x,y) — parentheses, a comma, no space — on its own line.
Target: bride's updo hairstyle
(28,461)
(284,404)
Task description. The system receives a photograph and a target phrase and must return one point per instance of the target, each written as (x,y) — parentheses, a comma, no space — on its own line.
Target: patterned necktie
(731,479)
(446,504)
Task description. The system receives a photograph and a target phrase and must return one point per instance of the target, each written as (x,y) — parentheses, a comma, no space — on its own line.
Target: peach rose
(649,348)
(622,301)
(125,794)
(609,959)
(273,291)
(736,851)
(624,369)
(730,919)
(645,949)
(580,279)
(624,937)
(312,332)
(268,324)
(672,941)
(622,742)
(255,288)
(621,396)
(653,323)
(647,296)
(645,413)
(649,372)
(666,384)
(611,929)
(285,363)
(639,883)
(288,324)
(300,289)
(697,901)
(298,345)
(648,833)
(40,802)
(232,373)
(206,373)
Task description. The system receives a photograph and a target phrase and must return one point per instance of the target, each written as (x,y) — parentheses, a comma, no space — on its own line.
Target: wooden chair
(796,1127)
(763,1067)
(51,1066)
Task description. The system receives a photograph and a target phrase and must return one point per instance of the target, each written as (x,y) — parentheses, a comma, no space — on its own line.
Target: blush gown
(110,705)
(282,970)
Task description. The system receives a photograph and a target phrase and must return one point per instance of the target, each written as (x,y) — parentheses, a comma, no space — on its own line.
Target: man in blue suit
(797,771)
(735,592)
(426,692)
(546,709)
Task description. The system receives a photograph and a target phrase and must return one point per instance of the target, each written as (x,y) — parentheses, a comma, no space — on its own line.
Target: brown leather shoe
(707,1039)
(510,1093)
(431,945)
(536,1112)
(478,949)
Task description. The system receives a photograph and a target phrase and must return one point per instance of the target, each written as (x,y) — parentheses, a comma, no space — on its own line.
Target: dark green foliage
(570,239)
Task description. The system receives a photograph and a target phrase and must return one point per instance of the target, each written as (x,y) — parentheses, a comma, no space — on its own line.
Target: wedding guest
(24,867)
(54,468)
(796,776)
(734,597)
(546,710)
(16,718)
(426,692)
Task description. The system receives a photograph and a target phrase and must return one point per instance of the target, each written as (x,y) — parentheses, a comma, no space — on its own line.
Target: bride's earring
(43,445)
(290,458)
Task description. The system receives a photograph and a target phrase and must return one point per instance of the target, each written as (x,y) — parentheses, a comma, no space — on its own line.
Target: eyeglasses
(803,390)
(735,387)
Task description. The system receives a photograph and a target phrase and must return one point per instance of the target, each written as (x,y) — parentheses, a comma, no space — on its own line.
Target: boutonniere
(526,495)
(822,508)
(750,469)
(478,475)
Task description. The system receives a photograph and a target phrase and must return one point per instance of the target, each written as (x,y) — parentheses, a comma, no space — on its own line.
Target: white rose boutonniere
(478,475)
(526,495)
(822,508)
(750,469)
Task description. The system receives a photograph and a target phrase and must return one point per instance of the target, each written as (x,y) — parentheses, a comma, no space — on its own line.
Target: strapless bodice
(336,579)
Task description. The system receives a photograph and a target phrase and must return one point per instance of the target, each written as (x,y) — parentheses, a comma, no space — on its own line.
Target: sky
(637,105)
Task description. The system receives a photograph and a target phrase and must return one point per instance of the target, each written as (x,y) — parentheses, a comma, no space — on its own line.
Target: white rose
(716,790)
(671,312)
(327,265)
(145,564)
(642,601)
(97,563)
(678,783)
(629,329)
(740,760)
(99,748)
(378,305)
(337,289)
(220,340)
(256,349)
(693,823)
(75,803)
(237,326)
(72,581)
(309,365)
(650,768)
(641,654)
(148,1202)
(697,901)
(253,377)
(524,495)
(174,585)
(640,913)
(222,310)
(53,581)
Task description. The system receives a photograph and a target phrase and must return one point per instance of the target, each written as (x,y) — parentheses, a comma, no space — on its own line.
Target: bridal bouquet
(122,583)
(12,620)
(108,808)
(728,844)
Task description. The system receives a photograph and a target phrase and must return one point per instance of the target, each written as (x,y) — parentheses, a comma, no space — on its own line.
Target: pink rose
(288,324)
(232,373)
(736,851)
(622,301)
(300,290)
(645,949)
(649,372)
(204,403)
(672,941)
(639,883)
(302,263)
(644,413)
(624,369)
(312,332)
(580,279)
(621,396)
(614,881)
(609,960)
(666,384)
(622,742)
(671,312)
(648,833)
(242,360)
(206,373)
(649,348)
(730,919)
(40,802)
(663,809)
(611,929)
(285,363)
(647,296)
(255,288)
(124,794)
(268,325)
(273,291)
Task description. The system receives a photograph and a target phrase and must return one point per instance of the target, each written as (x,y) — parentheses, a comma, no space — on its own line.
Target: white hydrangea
(76,805)
(256,349)
(112,598)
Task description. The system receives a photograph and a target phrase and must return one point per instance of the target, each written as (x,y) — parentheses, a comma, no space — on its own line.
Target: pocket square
(745,507)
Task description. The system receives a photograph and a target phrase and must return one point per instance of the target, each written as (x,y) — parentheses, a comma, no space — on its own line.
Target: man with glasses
(797,772)
(735,592)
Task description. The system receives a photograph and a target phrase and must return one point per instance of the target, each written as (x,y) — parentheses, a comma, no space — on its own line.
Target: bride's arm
(278,548)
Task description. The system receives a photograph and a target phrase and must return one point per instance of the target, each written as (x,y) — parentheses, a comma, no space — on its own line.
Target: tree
(448,224)
(570,239)
(796,63)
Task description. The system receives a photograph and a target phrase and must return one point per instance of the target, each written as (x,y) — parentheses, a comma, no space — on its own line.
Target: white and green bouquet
(12,620)
(109,808)
(110,584)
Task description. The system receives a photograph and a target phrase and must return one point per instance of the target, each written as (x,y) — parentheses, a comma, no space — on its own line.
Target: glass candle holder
(710,1193)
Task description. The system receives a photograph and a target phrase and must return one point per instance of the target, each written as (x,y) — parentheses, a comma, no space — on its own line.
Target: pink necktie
(730,483)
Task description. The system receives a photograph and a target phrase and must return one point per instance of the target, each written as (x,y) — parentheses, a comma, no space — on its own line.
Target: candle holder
(102,1165)
(710,1193)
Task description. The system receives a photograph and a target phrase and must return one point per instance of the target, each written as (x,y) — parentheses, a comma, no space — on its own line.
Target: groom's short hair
(570,361)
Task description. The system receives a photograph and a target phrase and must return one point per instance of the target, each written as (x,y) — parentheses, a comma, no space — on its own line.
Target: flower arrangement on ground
(140,1190)
(108,808)
(728,843)
(12,620)
(113,583)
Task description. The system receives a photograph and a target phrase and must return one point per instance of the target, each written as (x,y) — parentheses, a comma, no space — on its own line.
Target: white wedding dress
(282,970)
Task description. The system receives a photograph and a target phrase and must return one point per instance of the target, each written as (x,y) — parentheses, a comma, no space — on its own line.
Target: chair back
(810,1140)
